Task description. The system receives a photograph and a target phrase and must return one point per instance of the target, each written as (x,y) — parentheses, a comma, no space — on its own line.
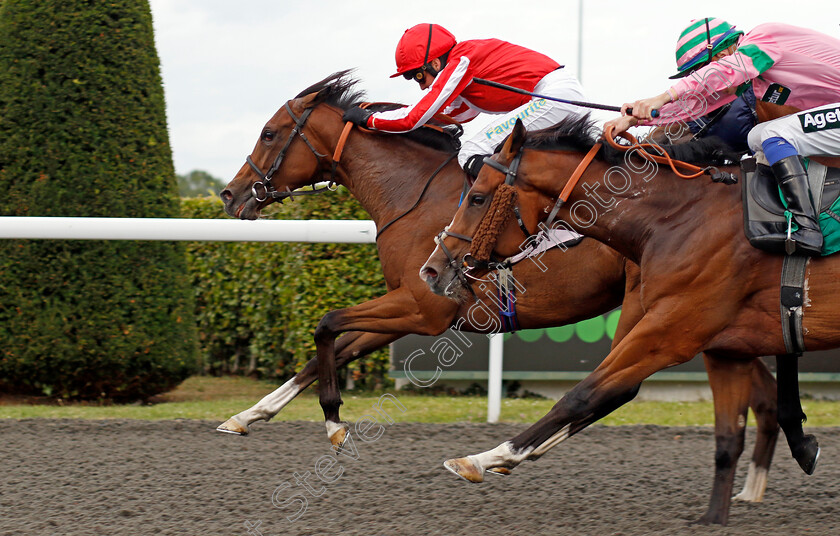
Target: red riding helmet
(420,44)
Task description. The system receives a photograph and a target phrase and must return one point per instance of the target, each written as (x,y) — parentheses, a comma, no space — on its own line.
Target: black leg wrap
(804,448)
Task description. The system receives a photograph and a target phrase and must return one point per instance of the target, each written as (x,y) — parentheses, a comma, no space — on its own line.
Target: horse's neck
(387,176)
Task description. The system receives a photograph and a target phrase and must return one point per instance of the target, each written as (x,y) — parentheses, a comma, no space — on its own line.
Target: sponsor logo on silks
(776,94)
(817,120)
(507,125)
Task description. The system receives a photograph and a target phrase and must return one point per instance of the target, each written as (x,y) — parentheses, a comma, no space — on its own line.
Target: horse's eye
(267,135)
(476,200)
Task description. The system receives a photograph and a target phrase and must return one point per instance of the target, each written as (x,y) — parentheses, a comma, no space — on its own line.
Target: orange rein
(573,180)
(666,159)
(342,139)
(634,144)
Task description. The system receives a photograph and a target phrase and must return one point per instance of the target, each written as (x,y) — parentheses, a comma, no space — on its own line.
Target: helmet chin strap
(427,67)
(431,70)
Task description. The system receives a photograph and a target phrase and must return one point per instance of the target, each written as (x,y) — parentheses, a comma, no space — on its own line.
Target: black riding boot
(793,180)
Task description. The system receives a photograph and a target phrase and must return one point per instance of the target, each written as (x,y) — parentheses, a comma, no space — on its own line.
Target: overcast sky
(228,66)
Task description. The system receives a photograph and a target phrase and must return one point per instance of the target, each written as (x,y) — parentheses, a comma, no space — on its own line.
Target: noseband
(263,189)
(468,261)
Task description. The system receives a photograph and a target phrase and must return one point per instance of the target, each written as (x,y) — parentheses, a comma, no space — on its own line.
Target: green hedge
(83,133)
(257,303)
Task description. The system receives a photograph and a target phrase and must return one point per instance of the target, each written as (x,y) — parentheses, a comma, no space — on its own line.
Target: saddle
(765,223)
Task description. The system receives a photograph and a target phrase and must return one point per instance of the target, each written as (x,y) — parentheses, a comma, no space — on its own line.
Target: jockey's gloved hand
(358,116)
(473,164)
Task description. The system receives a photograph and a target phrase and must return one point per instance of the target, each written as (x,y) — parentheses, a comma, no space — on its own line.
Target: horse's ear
(514,142)
(311,99)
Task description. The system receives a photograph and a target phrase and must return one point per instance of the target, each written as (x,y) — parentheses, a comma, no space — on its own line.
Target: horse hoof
(339,436)
(807,453)
(501,471)
(232,426)
(466,469)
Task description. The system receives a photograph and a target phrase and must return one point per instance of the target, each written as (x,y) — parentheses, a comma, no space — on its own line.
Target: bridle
(263,189)
(468,263)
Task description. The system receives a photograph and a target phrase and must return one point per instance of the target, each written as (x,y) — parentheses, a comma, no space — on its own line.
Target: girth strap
(792,298)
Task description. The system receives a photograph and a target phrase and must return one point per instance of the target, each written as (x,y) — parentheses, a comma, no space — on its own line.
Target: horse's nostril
(428,273)
(226,196)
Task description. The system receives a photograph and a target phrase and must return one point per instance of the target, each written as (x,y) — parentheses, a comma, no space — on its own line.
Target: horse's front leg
(350,347)
(763,405)
(730,381)
(398,312)
(645,350)
(329,393)
(803,447)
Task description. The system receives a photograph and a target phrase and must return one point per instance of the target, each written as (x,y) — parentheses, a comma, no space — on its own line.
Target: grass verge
(219,398)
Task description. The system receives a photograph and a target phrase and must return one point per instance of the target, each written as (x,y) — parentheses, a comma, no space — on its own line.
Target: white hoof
(501,471)
(232,426)
(466,469)
(337,432)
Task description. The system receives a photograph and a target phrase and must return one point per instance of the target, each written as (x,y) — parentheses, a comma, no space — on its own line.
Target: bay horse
(703,287)
(389,174)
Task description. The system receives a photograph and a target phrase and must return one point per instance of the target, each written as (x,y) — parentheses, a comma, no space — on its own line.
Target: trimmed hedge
(83,133)
(257,303)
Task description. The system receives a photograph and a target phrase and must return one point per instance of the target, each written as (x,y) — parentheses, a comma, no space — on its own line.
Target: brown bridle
(263,189)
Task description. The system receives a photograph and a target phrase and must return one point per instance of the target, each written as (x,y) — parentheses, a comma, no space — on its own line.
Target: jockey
(731,123)
(430,55)
(786,65)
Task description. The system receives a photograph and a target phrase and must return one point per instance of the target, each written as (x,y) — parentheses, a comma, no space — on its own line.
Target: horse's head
(295,148)
(490,222)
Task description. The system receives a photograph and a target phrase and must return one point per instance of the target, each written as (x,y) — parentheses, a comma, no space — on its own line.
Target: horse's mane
(339,90)
(580,134)
(572,133)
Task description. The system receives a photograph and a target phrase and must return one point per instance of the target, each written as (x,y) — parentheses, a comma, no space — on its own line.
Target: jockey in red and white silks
(429,54)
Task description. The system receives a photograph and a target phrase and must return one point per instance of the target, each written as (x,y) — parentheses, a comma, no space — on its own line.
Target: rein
(265,185)
(419,198)
(488,230)
(692,171)
(263,189)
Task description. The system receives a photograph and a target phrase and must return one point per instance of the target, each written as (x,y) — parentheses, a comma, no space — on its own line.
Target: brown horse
(703,287)
(389,175)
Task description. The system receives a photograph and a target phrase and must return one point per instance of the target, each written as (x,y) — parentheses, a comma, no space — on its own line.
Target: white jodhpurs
(535,114)
(811,132)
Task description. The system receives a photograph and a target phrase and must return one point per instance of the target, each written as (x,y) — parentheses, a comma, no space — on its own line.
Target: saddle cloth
(765,223)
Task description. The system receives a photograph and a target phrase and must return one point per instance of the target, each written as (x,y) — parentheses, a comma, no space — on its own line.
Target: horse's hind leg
(804,448)
(613,383)
(763,405)
(350,347)
(730,382)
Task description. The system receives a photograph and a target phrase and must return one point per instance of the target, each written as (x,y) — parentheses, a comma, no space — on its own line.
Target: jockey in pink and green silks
(785,65)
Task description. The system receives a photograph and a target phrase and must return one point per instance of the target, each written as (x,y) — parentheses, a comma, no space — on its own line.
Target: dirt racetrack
(68,477)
